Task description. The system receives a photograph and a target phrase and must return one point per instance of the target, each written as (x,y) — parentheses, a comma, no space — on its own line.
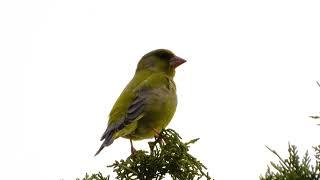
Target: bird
(148,103)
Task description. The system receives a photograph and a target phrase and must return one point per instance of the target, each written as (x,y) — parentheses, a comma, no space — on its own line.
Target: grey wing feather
(134,110)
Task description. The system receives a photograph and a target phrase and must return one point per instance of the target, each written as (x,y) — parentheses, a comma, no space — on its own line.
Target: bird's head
(160,60)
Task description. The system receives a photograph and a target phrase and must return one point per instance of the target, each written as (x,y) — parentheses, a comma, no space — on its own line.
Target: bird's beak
(176,61)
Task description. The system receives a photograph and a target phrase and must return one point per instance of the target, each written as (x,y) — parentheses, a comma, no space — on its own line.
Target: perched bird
(148,102)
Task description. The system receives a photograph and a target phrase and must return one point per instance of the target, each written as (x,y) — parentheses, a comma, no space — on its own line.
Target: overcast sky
(250,80)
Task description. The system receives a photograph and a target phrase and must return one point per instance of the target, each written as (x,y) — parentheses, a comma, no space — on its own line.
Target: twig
(315,117)
(274,152)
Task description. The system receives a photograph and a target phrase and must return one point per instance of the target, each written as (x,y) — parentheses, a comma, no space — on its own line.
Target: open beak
(176,61)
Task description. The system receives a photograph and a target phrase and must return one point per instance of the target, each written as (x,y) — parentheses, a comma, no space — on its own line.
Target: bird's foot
(157,133)
(133,150)
(158,137)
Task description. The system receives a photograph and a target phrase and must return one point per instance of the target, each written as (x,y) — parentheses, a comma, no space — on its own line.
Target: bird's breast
(158,111)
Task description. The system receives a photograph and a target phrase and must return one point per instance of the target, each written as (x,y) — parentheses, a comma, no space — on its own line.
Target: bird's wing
(131,108)
(127,122)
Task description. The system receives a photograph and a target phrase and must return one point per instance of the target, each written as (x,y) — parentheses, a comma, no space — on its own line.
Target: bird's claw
(133,150)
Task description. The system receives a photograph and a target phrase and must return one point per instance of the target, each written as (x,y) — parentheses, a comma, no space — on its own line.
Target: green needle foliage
(293,168)
(98,176)
(168,156)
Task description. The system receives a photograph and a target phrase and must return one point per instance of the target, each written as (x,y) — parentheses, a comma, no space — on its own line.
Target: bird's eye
(165,55)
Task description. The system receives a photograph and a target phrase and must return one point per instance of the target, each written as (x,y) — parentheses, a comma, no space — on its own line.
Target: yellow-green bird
(148,102)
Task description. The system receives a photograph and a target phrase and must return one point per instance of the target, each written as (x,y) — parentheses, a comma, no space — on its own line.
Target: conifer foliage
(294,167)
(168,156)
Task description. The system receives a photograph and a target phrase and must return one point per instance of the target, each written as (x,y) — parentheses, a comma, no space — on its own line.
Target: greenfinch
(148,102)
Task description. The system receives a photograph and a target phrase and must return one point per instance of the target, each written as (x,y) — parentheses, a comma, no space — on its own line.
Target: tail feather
(108,140)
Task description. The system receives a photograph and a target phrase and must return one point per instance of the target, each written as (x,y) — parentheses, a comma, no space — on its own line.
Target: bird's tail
(107,137)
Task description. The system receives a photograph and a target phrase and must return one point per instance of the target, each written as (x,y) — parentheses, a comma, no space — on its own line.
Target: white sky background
(250,80)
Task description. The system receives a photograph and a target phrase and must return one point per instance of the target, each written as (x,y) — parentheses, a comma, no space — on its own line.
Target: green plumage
(148,102)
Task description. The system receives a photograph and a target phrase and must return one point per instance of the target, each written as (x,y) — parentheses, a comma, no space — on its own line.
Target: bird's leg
(156,132)
(157,136)
(133,150)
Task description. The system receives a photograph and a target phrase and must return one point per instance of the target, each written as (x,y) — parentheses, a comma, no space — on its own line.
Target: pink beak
(176,61)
